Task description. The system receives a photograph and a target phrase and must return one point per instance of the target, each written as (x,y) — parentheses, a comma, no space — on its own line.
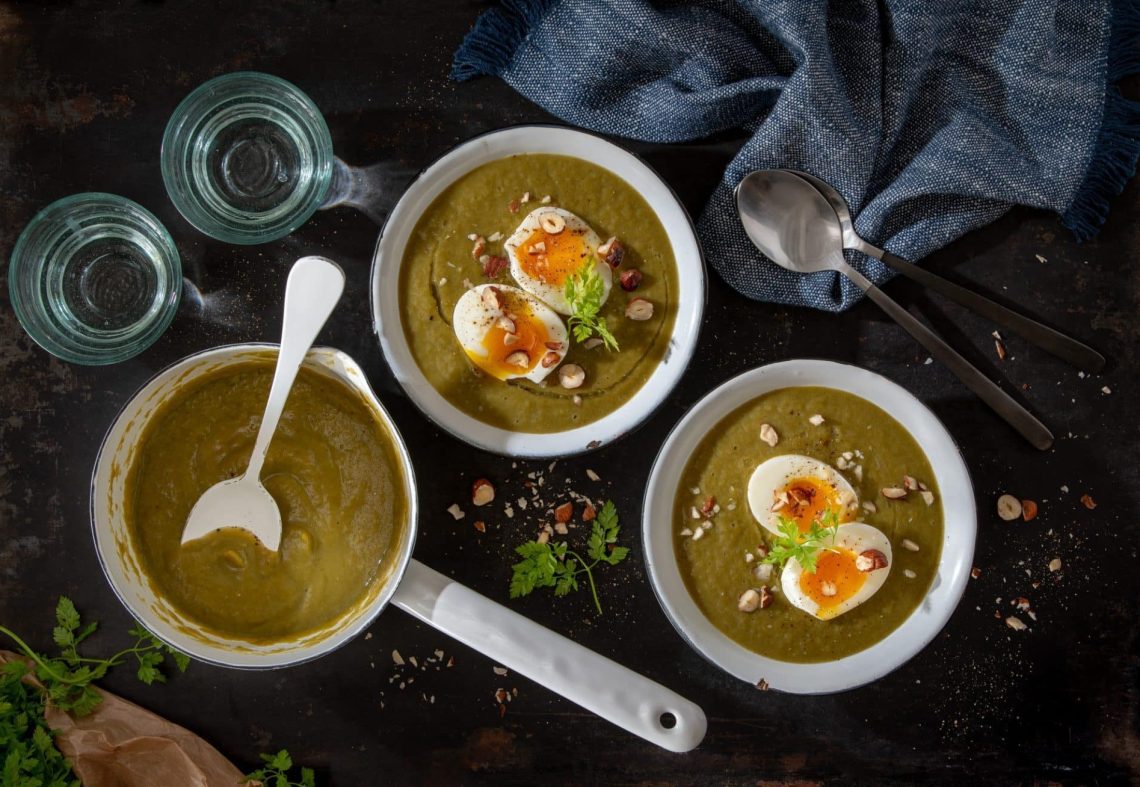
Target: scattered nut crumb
(1088,502)
(762,684)
(975,572)
(1055,564)
(1028,510)
(455,511)
(1015,623)
(909,545)
(816,420)
(1106,390)
(564,512)
(397,659)
(480,525)
(592,475)
(909,574)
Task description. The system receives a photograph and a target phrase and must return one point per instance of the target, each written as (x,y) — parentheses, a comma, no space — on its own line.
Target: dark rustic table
(85,91)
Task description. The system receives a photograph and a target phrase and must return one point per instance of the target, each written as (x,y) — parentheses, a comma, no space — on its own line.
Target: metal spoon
(1065,347)
(795,226)
(313,289)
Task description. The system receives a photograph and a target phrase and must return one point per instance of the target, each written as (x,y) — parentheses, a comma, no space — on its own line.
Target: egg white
(857,537)
(473,317)
(775,473)
(553,293)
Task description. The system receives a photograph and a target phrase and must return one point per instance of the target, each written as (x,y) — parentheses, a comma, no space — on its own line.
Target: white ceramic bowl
(113,542)
(490,147)
(900,645)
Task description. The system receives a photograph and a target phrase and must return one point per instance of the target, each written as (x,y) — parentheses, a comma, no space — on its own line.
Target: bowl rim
(898,646)
(326,644)
(579,440)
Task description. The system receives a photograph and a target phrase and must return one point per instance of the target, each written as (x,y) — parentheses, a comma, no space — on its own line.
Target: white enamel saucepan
(492,147)
(615,693)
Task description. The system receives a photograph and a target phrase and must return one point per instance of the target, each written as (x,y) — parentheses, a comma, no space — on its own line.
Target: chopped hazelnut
(639,309)
(589,513)
(455,511)
(1088,502)
(506,324)
(927,497)
(816,420)
(482,492)
(552,223)
(571,375)
(550,359)
(894,493)
(870,560)
(1055,564)
(828,588)
(564,512)
(494,265)
(513,206)
(1008,507)
(1015,623)
(763,572)
(1028,510)
(749,600)
(909,545)
(519,358)
(479,246)
(630,279)
(612,252)
(768,435)
(480,525)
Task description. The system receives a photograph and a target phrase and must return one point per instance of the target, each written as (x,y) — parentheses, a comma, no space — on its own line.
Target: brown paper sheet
(123,745)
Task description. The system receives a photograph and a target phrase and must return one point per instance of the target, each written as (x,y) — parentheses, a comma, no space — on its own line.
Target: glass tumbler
(95,278)
(247,158)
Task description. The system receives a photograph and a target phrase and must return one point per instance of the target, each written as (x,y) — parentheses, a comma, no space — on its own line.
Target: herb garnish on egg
(804,547)
(585,292)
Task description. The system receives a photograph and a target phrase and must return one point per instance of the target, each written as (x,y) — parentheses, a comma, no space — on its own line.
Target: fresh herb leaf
(585,291)
(275,772)
(67,679)
(557,566)
(804,547)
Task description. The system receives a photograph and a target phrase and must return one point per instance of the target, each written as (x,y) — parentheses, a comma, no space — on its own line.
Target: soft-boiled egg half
(849,569)
(509,333)
(549,246)
(801,489)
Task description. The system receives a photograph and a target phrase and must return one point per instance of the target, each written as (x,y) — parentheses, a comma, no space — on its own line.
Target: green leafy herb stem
(804,547)
(585,291)
(556,565)
(275,772)
(67,678)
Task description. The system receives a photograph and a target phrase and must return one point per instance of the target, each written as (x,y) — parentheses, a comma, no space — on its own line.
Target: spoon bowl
(795,226)
(790,222)
(313,289)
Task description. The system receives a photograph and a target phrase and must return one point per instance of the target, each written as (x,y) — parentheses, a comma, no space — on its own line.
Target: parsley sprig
(31,755)
(804,547)
(275,772)
(558,566)
(67,678)
(585,291)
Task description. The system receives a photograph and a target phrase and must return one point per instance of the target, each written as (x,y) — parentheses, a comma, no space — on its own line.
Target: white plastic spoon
(313,289)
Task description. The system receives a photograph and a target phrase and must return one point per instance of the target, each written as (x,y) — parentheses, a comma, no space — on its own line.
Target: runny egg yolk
(532,337)
(808,499)
(554,258)
(835,572)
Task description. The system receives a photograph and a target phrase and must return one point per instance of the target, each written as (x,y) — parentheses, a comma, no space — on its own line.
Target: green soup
(332,468)
(438,266)
(715,567)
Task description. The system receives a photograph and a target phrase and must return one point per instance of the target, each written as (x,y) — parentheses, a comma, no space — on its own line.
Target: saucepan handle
(617,694)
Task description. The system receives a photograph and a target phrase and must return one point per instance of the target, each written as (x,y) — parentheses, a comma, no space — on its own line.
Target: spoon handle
(1002,403)
(1065,347)
(313,289)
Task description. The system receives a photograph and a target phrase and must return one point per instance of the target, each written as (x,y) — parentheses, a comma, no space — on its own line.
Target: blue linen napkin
(931,117)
